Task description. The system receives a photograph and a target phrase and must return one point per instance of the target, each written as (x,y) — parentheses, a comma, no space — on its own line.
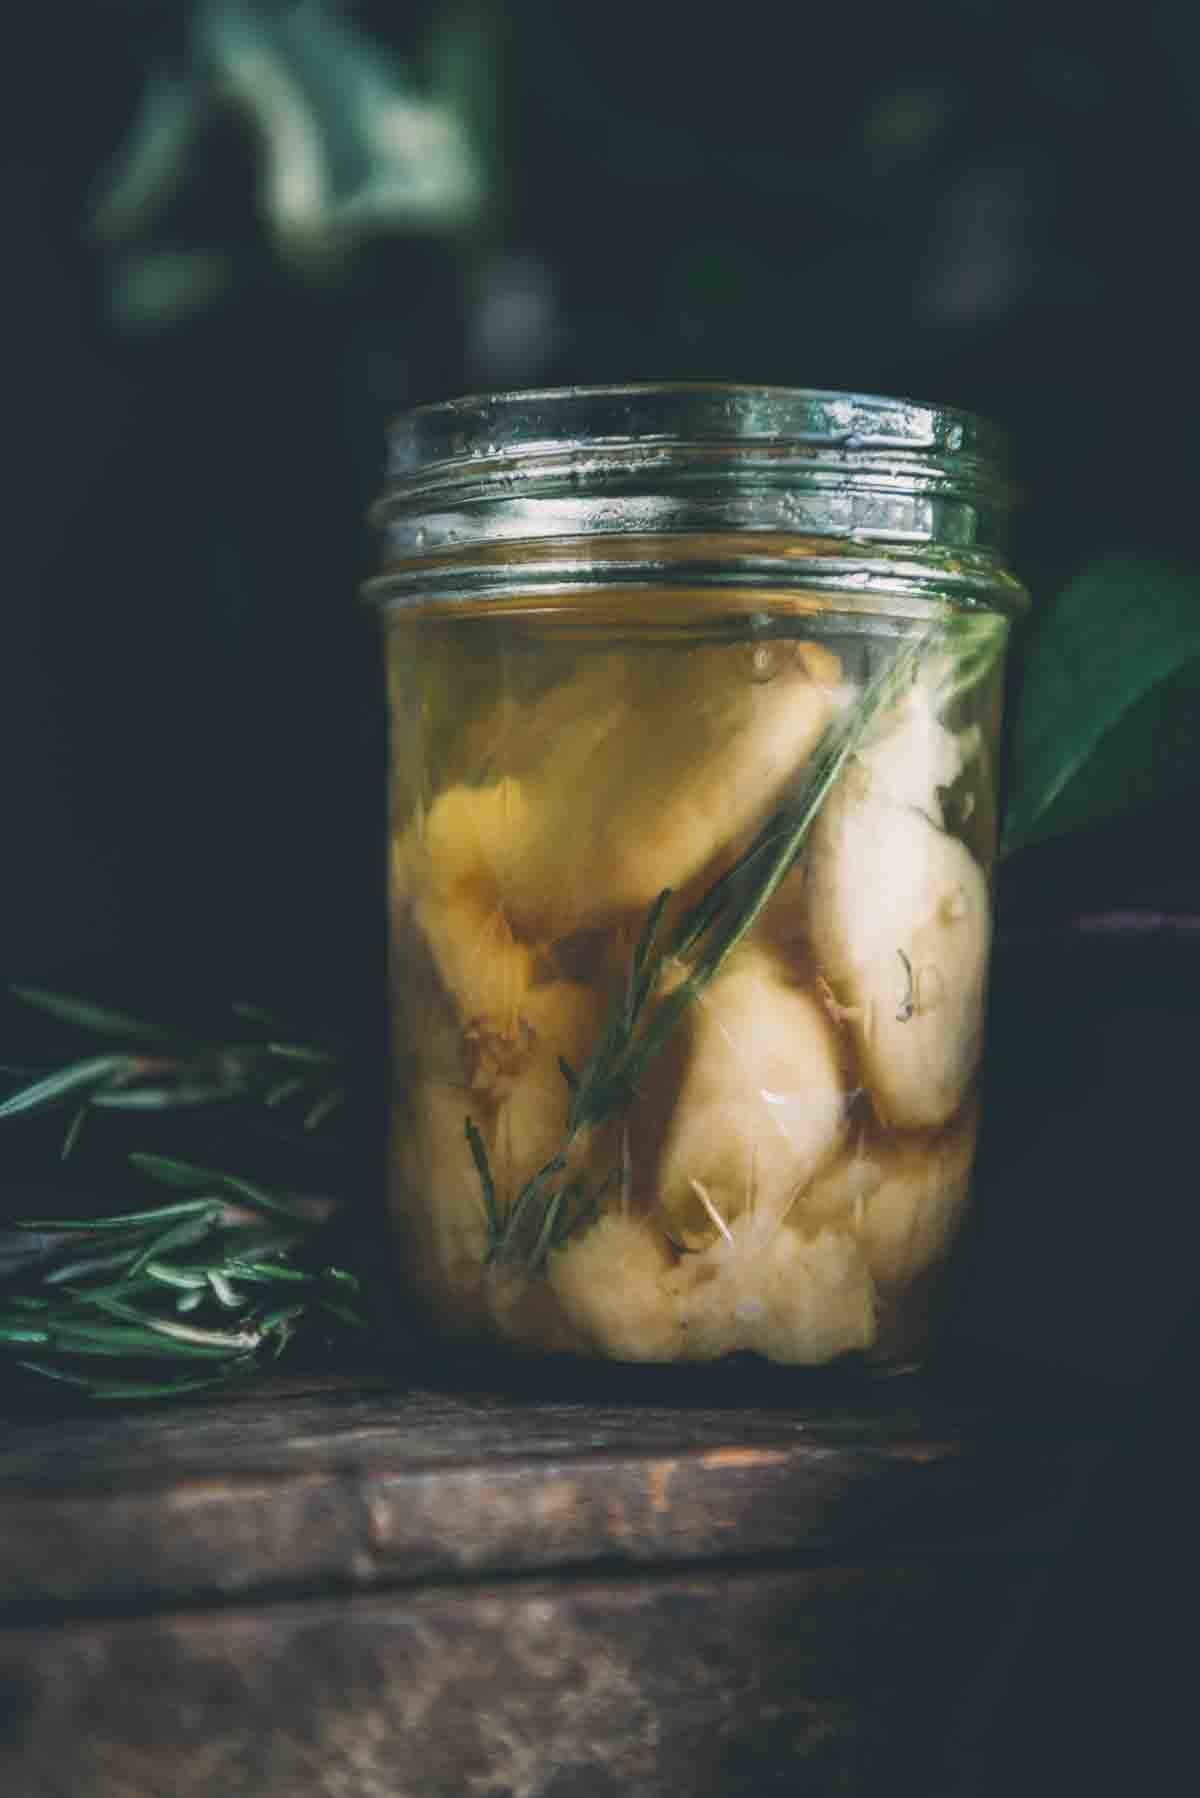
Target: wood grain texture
(854,1679)
(357,1485)
(383,1584)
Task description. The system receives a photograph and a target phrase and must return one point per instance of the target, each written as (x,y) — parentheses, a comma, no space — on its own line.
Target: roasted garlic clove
(759,1105)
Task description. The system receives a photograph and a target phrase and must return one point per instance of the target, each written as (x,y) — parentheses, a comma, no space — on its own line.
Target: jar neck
(752,569)
(740,487)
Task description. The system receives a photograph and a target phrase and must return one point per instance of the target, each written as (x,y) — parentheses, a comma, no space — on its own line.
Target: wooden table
(380,1585)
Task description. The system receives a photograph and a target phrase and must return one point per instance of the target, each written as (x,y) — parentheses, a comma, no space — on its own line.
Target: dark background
(984,204)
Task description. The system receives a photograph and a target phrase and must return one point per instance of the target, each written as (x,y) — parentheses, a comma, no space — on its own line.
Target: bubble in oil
(764,661)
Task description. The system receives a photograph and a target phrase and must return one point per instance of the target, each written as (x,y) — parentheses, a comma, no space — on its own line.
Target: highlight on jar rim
(695,700)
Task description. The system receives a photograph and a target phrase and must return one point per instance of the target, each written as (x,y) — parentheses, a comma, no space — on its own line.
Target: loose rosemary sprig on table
(157,1069)
(195,1290)
(675,973)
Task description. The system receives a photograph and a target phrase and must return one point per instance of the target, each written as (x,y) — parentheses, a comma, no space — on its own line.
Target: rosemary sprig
(158,1069)
(224,1274)
(120,1287)
(674,974)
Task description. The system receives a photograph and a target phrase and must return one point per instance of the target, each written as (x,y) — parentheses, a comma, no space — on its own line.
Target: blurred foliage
(243,234)
(1109,720)
(344,147)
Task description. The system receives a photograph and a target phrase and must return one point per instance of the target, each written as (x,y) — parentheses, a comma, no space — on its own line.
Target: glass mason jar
(695,697)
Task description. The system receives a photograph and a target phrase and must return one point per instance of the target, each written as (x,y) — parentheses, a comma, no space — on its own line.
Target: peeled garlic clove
(519,1084)
(900,1198)
(526,1312)
(908,759)
(911,757)
(768,1288)
(818,1300)
(759,1107)
(428,1032)
(919,1062)
(897,915)
(453,864)
(443,1238)
(658,762)
(838,1194)
(517,1100)
(609,1282)
(911,1218)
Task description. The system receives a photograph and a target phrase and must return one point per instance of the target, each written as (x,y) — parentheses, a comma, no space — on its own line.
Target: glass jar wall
(695,701)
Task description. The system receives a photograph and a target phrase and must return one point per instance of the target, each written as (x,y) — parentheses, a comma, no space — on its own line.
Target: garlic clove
(609,1282)
(840,1191)
(759,1106)
(909,1222)
(526,1312)
(453,865)
(912,757)
(516,1079)
(640,770)
(898,918)
(768,1288)
(920,1054)
(901,1198)
(437,1206)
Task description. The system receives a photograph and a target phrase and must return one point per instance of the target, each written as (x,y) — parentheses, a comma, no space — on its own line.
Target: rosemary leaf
(488,1185)
(508,1248)
(304,1052)
(223,1292)
(178,1235)
(74,1131)
(112,1342)
(341,1276)
(98,1020)
(87,1265)
(170,1172)
(182,1278)
(324,1107)
(23,1334)
(546,1234)
(125,1220)
(52,1089)
(568,1073)
(181,1093)
(264,1274)
(285,1090)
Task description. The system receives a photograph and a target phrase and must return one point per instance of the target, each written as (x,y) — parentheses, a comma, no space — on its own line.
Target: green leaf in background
(346,145)
(1109,717)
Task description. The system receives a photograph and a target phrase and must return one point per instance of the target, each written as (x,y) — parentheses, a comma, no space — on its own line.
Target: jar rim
(450,437)
(500,489)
